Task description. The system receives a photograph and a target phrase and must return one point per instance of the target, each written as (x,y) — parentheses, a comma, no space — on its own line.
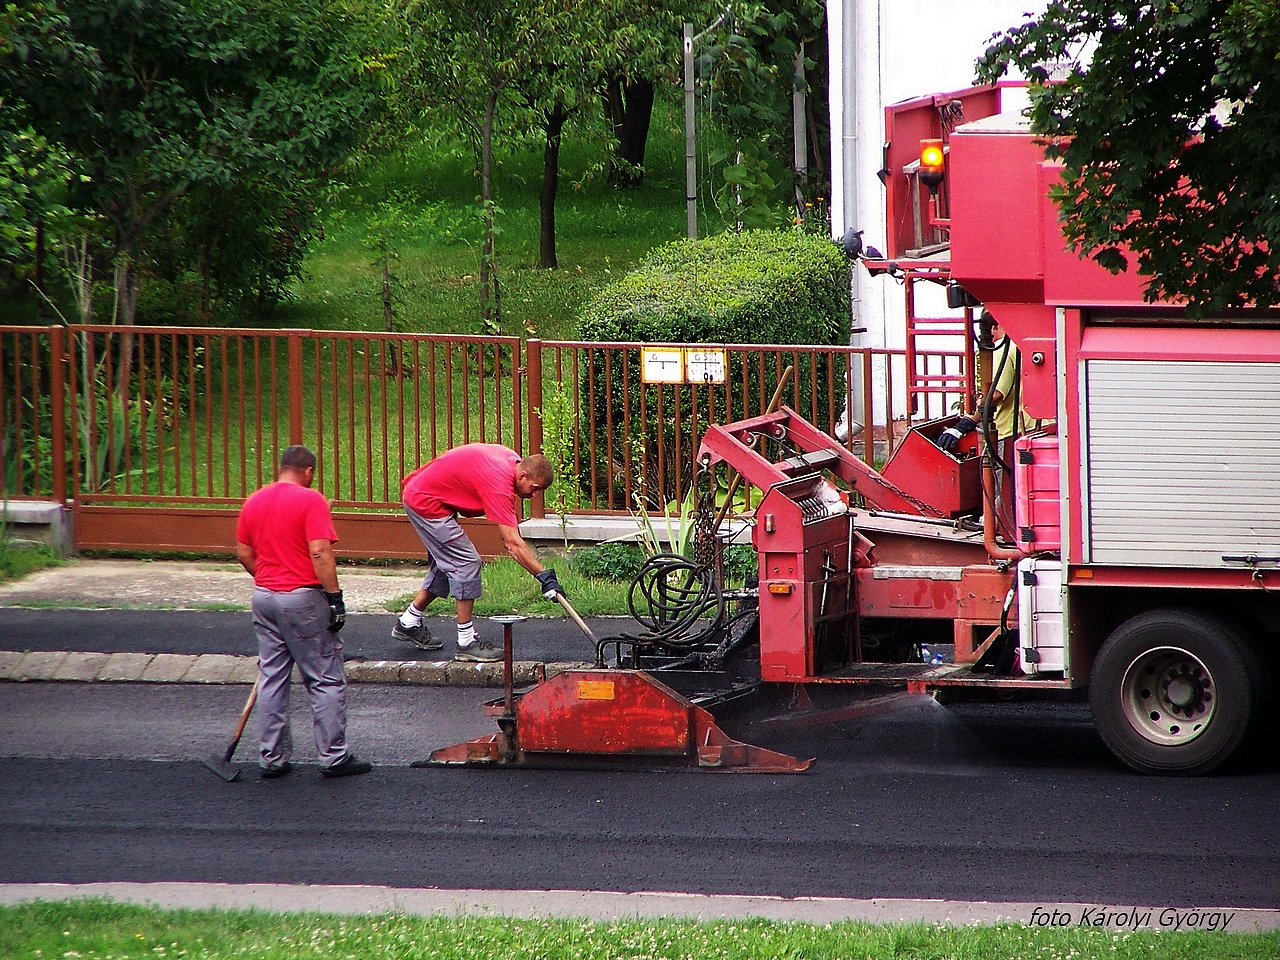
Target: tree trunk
(555,119)
(630,108)
(128,288)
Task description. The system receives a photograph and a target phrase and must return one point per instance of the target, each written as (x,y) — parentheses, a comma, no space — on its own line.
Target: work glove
(550,585)
(337,611)
(949,437)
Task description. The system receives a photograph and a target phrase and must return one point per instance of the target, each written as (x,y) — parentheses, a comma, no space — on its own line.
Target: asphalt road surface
(367,635)
(1000,802)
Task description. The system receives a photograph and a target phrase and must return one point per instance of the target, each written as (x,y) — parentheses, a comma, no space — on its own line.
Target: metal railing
(32,414)
(201,415)
(119,416)
(635,443)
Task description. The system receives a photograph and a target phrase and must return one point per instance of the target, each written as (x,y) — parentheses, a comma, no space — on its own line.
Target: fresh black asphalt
(999,801)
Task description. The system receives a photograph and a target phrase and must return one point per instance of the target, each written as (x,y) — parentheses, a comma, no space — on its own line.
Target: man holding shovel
(285,538)
(476,479)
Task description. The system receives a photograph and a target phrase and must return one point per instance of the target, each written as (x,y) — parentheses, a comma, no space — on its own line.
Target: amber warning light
(932,157)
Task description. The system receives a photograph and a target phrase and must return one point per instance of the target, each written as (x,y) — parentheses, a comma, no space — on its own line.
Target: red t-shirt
(472,480)
(279,521)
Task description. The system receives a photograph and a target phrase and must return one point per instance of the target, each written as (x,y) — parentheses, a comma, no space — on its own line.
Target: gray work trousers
(293,627)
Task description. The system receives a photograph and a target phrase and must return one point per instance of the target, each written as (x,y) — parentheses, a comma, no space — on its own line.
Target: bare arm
(248,559)
(520,551)
(326,566)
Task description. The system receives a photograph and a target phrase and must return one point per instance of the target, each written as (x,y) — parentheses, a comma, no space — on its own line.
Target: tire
(1175,692)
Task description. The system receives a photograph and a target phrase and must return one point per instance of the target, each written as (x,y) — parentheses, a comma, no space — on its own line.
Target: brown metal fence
(188,419)
(32,414)
(635,443)
(200,416)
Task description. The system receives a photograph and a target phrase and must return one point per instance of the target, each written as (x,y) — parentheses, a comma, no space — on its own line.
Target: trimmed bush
(754,287)
(770,287)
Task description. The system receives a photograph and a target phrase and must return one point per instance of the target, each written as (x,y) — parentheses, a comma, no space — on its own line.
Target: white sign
(661,366)
(705,366)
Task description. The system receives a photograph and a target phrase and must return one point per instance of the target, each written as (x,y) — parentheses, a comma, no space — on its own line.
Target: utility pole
(690,142)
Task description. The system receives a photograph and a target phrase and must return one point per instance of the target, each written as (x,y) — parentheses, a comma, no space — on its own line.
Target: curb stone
(220,668)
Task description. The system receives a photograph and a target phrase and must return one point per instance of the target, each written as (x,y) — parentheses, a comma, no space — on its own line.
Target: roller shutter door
(1183,462)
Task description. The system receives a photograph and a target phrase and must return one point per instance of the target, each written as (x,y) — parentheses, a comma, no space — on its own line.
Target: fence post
(58,411)
(533,394)
(295,389)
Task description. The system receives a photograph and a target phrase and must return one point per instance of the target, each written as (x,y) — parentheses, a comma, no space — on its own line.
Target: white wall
(883,52)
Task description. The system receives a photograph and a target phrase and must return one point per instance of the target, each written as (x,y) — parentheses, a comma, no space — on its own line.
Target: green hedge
(753,287)
(784,287)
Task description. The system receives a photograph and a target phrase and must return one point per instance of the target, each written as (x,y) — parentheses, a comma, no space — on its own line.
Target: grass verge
(16,561)
(508,588)
(89,930)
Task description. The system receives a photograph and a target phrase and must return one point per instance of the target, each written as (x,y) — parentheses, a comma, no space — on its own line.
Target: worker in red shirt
(285,539)
(476,479)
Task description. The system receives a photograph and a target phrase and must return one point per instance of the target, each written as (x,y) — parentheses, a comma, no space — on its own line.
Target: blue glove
(950,437)
(550,585)
(337,611)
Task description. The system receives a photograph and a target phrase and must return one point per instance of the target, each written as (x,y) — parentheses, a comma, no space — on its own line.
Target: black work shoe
(419,636)
(348,766)
(480,651)
(271,773)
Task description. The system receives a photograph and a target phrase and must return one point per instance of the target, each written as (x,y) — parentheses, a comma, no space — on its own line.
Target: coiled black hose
(677,601)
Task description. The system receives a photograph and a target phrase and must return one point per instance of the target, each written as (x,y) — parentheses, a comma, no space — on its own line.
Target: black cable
(677,601)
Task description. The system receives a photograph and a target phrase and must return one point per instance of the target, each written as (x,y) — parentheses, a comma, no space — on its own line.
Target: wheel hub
(1168,695)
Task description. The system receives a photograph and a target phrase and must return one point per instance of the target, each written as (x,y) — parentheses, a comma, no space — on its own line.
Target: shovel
(573,615)
(220,763)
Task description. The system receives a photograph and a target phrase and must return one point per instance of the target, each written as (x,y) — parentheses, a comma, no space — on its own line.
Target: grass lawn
(96,930)
(16,561)
(508,588)
(426,192)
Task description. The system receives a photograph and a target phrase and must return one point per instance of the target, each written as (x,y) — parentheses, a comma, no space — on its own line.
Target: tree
(1167,122)
(36,49)
(212,96)
(467,56)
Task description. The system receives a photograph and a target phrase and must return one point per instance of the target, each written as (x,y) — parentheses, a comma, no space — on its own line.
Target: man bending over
(476,479)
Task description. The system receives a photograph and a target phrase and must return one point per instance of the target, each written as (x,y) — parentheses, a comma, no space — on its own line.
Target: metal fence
(173,417)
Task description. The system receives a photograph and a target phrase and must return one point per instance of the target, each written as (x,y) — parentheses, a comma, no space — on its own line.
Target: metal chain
(704,519)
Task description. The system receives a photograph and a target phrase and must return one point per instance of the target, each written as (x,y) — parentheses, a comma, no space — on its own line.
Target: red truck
(1143,556)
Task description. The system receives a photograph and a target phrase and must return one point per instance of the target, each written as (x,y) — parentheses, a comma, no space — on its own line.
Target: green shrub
(609,561)
(753,287)
(768,287)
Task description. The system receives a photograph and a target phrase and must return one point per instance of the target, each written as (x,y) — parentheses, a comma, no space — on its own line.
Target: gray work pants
(293,627)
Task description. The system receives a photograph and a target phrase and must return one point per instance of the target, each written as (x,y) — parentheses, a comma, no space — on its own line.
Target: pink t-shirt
(279,522)
(472,480)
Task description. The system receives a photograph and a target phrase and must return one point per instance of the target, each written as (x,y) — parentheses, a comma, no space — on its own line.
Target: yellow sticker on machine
(595,690)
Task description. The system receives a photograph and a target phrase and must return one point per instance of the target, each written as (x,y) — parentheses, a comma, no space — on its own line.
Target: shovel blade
(227,770)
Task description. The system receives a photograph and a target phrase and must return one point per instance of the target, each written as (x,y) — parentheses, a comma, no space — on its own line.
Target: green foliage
(619,562)
(508,588)
(754,287)
(784,287)
(740,562)
(202,128)
(559,432)
(1169,135)
(750,70)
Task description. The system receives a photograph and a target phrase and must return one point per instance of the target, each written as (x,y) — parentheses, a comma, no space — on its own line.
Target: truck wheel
(1175,691)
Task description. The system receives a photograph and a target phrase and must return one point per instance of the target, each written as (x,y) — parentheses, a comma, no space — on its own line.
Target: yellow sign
(595,690)
(661,366)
